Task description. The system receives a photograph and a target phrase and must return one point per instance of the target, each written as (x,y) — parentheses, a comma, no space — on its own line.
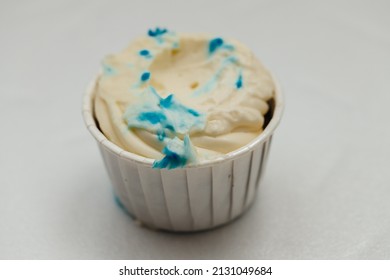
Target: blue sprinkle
(108,70)
(144,52)
(170,127)
(167,102)
(145,76)
(157,32)
(193,112)
(161,135)
(170,161)
(239,81)
(215,44)
(177,154)
(152,117)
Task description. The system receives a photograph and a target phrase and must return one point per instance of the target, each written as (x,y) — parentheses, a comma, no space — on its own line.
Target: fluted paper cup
(193,198)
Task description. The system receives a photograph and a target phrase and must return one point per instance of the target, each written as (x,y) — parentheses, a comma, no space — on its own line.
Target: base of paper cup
(141,224)
(190,199)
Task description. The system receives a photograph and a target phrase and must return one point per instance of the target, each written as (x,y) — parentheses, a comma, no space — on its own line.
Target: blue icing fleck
(170,127)
(239,81)
(145,53)
(108,70)
(218,43)
(166,102)
(152,117)
(145,76)
(193,112)
(157,32)
(212,82)
(215,44)
(157,114)
(161,135)
(177,153)
(167,118)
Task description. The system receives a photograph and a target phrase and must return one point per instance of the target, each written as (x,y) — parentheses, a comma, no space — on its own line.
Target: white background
(326,193)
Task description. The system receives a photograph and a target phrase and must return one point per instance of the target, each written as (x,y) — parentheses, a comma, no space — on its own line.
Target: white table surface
(326,194)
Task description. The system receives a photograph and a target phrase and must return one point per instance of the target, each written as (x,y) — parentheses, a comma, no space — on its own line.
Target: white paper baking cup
(186,199)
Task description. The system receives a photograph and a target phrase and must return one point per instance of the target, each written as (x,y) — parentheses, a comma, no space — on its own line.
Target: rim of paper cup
(89,119)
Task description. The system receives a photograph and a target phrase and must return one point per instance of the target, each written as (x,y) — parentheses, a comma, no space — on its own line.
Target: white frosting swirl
(212,92)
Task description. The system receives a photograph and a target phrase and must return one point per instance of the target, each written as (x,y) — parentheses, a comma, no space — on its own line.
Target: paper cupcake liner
(185,199)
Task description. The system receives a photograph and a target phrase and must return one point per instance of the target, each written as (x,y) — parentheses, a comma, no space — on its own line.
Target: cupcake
(184,124)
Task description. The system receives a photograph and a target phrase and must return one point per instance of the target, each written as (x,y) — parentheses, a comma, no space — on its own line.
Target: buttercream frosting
(182,98)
